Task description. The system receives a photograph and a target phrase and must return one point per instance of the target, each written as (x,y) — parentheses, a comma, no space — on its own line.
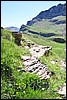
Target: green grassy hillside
(57,47)
(20,85)
(57,53)
(50,25)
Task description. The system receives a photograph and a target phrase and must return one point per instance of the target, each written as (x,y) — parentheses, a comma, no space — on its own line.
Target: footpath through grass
(22,85)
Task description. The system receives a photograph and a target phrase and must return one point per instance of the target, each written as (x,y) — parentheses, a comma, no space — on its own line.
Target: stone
(32,63)
(62,90)
(36,66)
(46,53)
(29,69)
(38,51)
(17,37)
(29,44)
(37,70)
(19,67)
(63,64)
(23,70)
(25,58)
(29,63)
(45,76)
(26,47)
(33,43)
(41,72)
(53,62)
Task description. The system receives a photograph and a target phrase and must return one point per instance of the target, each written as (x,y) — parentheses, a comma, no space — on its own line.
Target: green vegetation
(47,26)
(57,53)
(22,85)
(59,18)
(56,47)
(5,34)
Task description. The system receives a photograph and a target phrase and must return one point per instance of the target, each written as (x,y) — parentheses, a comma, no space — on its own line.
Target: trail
(33,65)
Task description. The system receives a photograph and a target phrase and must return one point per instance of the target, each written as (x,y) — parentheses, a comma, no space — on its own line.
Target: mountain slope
(51,22)
(12,28)
(47,27)
(59,10)
(17,84)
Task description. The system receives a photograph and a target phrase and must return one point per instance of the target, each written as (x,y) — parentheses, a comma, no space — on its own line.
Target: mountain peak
(54,11)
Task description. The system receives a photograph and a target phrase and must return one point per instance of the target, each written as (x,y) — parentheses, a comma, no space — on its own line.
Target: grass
(57,53)
(46,26)
(21,85)
(56,47)
(6,34)
(59,18)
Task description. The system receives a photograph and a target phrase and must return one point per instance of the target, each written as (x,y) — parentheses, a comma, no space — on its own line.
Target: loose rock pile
(34,66)
(38,51)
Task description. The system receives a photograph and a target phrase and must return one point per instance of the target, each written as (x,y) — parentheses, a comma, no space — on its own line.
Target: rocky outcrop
(23,28)
(38,51)
(33,65)
(59,10)
(62,90)
(17,37)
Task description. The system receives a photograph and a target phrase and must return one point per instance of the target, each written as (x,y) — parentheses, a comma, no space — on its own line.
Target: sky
(16,13)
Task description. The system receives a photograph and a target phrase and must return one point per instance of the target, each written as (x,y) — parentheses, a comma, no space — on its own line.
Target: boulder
(25,58)
(17,37)
(62,90)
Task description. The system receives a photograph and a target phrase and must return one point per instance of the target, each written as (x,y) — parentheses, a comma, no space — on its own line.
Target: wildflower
(23,91)
(16,92)
(43,88)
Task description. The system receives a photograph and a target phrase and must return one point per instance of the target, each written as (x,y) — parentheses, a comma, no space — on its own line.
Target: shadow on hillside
(60,40)
(43,34)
